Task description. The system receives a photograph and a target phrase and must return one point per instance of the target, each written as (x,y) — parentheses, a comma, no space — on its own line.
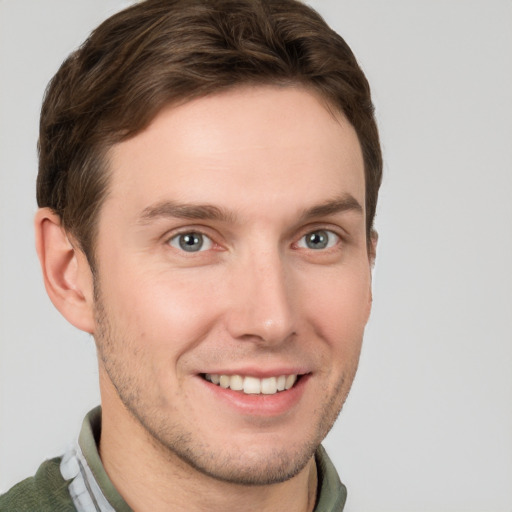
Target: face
(233,279)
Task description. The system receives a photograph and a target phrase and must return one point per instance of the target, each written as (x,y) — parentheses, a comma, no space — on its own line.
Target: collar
(92,491)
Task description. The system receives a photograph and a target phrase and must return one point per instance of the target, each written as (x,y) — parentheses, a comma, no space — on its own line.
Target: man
(208,179)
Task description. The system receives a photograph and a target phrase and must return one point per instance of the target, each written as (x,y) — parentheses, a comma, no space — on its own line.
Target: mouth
(250,385)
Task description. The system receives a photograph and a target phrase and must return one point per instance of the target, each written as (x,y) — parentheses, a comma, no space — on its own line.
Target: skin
(256,300)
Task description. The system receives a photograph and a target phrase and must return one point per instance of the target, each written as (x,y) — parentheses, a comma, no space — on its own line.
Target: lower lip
(259,405)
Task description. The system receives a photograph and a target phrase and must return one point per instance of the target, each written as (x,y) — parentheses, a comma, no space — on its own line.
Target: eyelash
(175,242)
(332,239)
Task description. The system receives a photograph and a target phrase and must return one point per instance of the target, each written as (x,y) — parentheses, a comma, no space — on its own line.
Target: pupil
(317,240)
(191,242)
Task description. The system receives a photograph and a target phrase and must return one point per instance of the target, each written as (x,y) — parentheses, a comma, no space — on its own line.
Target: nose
(262,300)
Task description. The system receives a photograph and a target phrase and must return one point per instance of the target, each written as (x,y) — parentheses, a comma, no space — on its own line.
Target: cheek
(162,309)
(340,309)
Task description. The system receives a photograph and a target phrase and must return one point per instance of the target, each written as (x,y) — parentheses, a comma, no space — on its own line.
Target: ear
(372,247)
(372,253)
(67,276)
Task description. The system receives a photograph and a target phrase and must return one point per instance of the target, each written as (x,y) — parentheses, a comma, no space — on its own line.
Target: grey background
(428,426)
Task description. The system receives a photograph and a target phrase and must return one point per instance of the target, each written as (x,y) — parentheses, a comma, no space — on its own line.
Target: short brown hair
(161,52)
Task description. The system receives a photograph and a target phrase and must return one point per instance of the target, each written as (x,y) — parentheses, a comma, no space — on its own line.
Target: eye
(191,242)
(318,240)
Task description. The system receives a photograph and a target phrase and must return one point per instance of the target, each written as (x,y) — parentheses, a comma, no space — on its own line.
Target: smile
(253,385)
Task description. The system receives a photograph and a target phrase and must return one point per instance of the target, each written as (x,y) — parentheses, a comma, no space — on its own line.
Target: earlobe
(66,272)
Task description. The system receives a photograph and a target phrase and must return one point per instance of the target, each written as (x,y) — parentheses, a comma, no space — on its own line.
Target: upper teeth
(253,385)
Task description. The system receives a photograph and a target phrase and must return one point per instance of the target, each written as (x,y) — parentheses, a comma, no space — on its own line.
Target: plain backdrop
(428,425)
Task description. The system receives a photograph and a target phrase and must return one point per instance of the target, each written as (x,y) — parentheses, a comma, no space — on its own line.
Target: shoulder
(45,491)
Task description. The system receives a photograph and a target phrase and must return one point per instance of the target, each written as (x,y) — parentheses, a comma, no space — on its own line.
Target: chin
(272,459)
(247,467)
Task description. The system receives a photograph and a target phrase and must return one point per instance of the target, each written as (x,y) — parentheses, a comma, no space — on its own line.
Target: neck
(150,477)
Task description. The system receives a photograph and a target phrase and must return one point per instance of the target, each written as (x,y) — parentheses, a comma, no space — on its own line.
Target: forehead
(264,145)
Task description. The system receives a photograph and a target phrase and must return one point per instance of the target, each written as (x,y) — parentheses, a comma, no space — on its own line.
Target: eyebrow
(185,211)
(172,209)
(341,204)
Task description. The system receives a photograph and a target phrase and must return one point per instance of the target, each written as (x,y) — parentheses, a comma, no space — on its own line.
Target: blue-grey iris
(191,242)
(317,239)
